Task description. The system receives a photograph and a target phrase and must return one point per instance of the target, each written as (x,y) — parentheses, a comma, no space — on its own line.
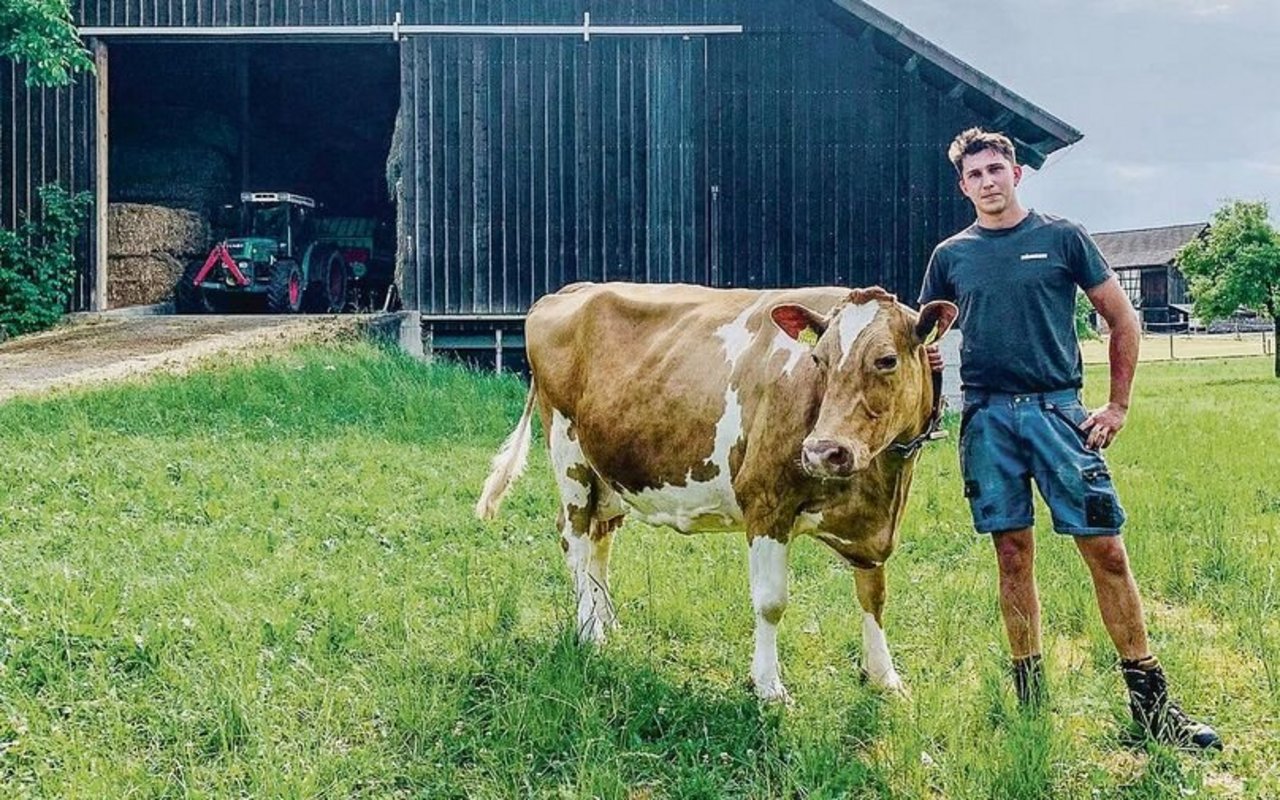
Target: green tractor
(277,253)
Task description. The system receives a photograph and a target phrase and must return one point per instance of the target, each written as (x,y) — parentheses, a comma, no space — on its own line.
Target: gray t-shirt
(1016,289)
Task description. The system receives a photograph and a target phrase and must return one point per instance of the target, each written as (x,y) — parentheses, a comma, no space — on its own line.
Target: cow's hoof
(773,693)
(890,683)
(896,688)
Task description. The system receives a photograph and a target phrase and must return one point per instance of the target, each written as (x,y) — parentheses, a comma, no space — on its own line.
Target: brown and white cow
(769,412)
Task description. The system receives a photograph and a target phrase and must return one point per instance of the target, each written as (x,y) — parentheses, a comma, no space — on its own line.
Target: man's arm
(1113,304)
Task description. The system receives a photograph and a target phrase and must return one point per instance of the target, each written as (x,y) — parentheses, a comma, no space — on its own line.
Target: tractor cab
(280,222)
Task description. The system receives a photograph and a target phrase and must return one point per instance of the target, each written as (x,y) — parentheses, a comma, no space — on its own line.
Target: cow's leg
(768,565)
(587,555)
(876,661)
(586,543)
(608,518)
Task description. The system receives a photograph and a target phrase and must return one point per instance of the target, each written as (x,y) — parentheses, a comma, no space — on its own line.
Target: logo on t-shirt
(1035,256)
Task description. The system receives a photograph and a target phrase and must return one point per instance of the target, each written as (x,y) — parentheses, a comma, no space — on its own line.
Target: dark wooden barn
(727,142)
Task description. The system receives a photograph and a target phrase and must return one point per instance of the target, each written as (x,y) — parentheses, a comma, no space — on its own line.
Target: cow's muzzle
(828,458)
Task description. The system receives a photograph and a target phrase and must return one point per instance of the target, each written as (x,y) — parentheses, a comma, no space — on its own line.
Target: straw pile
(195,178)
(139,230)
(148,248)
(142,280)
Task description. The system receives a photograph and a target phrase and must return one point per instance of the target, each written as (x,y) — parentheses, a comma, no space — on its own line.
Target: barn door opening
(195,123)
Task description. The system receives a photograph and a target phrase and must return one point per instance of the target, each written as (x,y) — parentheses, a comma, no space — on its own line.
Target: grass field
(1183,347)
(265,581)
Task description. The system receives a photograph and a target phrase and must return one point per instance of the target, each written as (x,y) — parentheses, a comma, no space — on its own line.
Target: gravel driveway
(97,348)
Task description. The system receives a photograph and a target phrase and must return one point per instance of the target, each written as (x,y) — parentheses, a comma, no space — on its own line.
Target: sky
(1178,100)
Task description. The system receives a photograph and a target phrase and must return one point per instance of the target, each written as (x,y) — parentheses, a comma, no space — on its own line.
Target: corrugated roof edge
(1059,133)
(1200,225)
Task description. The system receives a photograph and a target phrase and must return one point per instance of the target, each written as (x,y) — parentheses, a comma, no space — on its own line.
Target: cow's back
(650,375)
(589,337)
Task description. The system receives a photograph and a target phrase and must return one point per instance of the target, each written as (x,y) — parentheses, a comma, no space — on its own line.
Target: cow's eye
(887,363)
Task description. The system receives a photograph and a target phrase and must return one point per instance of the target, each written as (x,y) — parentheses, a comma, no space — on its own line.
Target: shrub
(1084,318)
(37,263)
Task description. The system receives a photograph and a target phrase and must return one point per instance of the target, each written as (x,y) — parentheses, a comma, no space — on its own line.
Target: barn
(1145,263)
(515,147)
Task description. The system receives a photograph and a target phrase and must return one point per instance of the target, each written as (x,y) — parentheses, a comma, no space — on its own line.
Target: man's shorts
(1006,440)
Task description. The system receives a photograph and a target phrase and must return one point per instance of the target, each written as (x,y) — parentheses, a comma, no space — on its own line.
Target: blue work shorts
(1006,440)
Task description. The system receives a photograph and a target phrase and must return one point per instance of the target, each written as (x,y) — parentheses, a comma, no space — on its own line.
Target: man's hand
(934,352)
(1103,425)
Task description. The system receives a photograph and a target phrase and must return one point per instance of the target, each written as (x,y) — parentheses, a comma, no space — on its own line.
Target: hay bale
(194,178)
(140,230)
(141,280)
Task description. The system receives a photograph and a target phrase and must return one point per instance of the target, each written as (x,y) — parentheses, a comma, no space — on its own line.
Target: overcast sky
(1178,100)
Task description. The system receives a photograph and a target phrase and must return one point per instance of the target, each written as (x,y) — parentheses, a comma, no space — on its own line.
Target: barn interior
(191,125)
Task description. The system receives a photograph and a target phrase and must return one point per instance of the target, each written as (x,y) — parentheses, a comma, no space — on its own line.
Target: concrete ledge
(400,328)
(155,310)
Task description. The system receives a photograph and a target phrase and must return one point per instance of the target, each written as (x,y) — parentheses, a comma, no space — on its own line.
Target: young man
(1014,274)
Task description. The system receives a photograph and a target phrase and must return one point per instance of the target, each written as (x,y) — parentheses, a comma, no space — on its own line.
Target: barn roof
(1146,247)
(1035,132)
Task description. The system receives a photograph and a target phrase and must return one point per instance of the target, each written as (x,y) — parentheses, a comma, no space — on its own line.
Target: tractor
(276,253)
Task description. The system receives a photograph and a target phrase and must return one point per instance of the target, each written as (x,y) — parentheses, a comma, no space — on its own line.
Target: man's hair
(976,140)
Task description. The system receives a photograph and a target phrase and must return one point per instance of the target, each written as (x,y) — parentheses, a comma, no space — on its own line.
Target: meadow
(264,580)
(1181,346)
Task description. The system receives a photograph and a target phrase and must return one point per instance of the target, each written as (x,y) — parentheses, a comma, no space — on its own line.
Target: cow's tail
(509,463)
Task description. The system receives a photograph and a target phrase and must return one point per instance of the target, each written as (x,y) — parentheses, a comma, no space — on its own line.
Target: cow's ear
(800,323)
(935,320)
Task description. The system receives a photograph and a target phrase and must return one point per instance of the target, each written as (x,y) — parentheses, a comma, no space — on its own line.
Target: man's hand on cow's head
(936,362)
(1103,425)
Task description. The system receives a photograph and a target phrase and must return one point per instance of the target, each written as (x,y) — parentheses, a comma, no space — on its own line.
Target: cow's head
(869,352)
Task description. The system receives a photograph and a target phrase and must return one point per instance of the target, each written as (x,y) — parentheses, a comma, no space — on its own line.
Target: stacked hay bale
(173,156)
(148,247)
(194,178)
(171,166)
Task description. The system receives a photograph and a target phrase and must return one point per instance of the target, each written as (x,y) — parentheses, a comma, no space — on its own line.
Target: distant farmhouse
(1144,262)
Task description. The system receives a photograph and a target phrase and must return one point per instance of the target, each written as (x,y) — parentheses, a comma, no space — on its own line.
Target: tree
(1236,264)
(40,34)
(1084,318)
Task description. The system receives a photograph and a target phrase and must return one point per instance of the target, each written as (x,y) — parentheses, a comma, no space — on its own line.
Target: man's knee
(1105,554)
(1015,551)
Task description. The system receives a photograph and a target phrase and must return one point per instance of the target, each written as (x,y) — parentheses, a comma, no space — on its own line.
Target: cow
(776,413)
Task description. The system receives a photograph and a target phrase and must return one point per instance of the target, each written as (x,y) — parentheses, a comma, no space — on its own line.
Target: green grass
(264,580)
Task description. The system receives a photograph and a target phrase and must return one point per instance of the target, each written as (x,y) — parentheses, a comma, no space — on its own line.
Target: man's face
(989,179)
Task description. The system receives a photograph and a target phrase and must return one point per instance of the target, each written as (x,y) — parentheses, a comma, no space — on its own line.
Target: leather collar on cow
(933,431)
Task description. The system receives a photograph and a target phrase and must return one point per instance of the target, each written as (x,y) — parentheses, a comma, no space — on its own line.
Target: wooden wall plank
(538,176)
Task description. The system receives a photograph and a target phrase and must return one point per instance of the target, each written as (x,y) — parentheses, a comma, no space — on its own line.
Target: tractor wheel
(284,295)
(189,298)
(327,292)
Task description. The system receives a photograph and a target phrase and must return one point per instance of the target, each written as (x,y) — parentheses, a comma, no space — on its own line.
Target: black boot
(1028,682)
(1157,714)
